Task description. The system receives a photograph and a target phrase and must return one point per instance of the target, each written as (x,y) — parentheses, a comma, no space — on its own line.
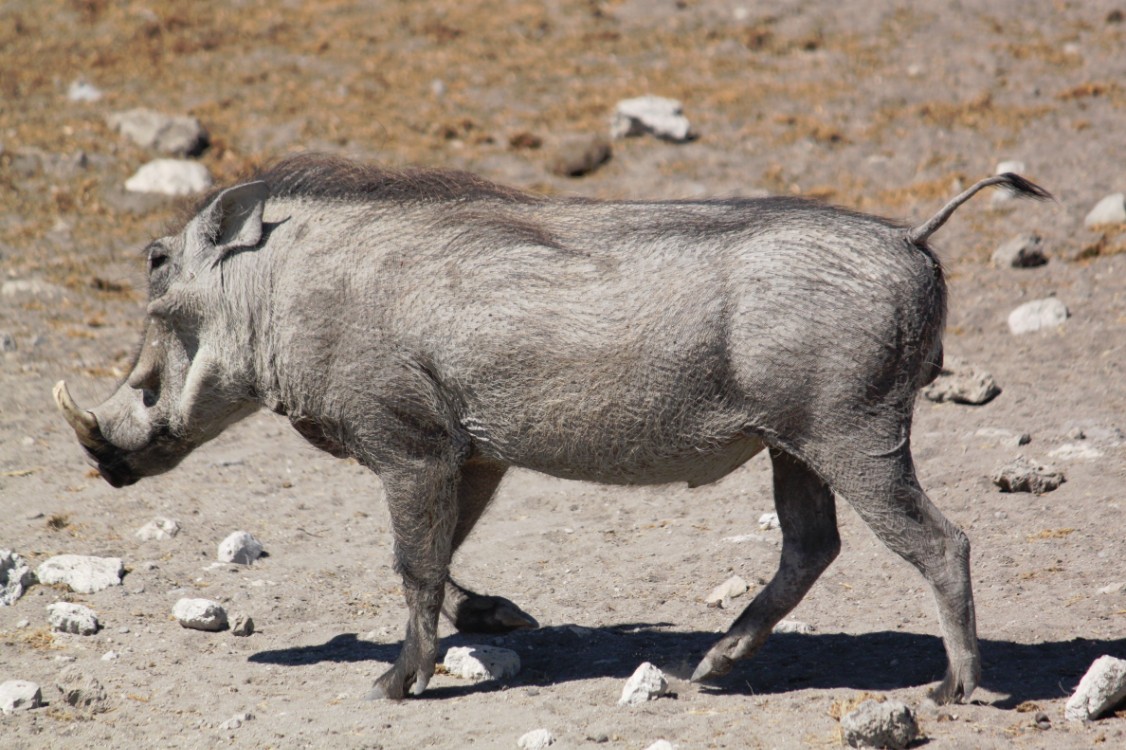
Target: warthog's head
(186,384)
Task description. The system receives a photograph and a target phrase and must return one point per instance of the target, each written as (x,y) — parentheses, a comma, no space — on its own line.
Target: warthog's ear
(234,219)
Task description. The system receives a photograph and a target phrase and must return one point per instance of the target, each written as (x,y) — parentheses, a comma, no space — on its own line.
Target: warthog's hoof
(395,685)
(491,614)
(712,666)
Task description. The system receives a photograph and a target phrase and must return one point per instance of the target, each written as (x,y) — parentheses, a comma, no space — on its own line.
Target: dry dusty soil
(883,107)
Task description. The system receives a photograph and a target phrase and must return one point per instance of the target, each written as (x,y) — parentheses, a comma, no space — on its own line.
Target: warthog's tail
(1014,182)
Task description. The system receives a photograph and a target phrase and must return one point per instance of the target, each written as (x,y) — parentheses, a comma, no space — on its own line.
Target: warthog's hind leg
(469,611)
(885,492)
(807,515)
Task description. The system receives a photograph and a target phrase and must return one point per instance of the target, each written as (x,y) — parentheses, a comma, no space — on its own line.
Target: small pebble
(537,739)
(646,684)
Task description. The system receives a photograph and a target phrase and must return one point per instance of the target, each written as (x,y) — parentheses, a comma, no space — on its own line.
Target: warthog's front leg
(808,517)
(422,497)
(469,611)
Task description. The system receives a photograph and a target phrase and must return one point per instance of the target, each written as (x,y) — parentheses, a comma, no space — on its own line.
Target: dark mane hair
(329,177)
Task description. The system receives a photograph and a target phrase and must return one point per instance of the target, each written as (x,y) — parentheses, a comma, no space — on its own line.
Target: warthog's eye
(157,258)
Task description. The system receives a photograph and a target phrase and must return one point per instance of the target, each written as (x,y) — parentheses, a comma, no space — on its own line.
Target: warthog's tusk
(83,422)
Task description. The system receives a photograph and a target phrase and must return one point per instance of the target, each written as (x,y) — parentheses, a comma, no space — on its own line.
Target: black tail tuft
(1025,188)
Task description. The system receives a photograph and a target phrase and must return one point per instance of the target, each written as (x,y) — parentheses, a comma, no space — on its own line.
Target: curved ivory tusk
(83,422)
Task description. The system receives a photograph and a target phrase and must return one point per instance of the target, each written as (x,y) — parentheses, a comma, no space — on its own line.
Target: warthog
(439,329)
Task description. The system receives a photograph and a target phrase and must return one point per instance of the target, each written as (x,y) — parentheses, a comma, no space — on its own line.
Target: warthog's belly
(632,465)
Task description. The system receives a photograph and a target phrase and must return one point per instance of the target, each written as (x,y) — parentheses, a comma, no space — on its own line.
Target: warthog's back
(631,342)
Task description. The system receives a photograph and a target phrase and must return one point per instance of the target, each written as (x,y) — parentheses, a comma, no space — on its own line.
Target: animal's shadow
(877,661)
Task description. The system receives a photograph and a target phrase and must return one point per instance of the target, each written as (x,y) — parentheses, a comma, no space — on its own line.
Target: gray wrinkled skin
(440,329)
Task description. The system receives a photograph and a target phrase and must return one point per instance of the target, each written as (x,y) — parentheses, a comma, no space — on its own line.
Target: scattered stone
(158,529)
(646,684)
(23,623)
(82,573)
(15,577)
(19,695)
(1113,588)
(1100,690)
(242,625)
(64,617)
(1110,210)
(722,594)
(962,383)
(1024,475)
(110,656)
(743,538)
(768,521)
(240,547)
(890,724)
(236,721)
(7,342)
(1006,438)
(1076,451)
(200,614)
(82,692)
(652,115)
(81,91)
(661,745)
(1042,721)
(169,134)
(579,155)
(31,288)
(537,739)
(1038,315)
(794,626)
(481,662)
(1022,251)
(170,177)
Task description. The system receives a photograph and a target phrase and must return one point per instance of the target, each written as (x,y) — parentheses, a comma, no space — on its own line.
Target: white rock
(1038,315)
(169,134)
(170,177)
(240,547)
(1006,438)
(743,538)
(890,724)
(81,573)
(794,626)
(654,115)
(537,739)
(962,383)
(768,521)
(1076,452)
(82,691)
(15,577)
(481,662)
(31,288)
(661,745)
(81,91)
(1101,689)
(65,617)
(722,594)
(646,684)
(110,656)
(1110,210)
(1025,475)
(19,695)
(1113,588)
(200,614)
(242,625)
(236,721)
(1021,251)
(158,529)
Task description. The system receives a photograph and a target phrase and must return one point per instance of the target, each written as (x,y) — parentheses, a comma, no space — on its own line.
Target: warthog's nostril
(149,398)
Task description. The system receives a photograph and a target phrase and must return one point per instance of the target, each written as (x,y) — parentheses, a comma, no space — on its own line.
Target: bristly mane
(328,177)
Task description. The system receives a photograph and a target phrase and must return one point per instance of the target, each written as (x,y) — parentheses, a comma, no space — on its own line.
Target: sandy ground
(881,107)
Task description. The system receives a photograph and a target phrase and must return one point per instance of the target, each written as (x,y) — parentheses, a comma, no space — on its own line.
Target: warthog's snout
(100,453)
